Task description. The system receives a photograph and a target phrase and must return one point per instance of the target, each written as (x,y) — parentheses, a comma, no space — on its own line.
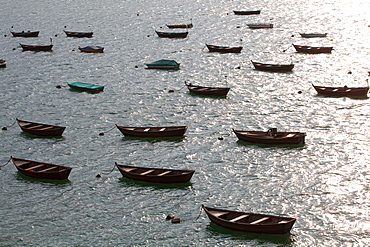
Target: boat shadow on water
(19,176)
(129,182)
(30,137)
(158,139)
(243,143)
(344,97)
(83,91)
(281,239)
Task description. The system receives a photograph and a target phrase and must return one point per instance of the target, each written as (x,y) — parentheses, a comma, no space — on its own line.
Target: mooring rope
(5,163)
(200,212)
(106,173)
(102,133)
(6,127)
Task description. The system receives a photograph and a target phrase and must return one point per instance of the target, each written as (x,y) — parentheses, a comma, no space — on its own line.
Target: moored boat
(273,67)
(313,35)
(271,137)
(260,25)
(224,49)
(313,49)
(207,91)
(92,49)
(40,129)
(163,64)
(36,47)
(155,175)
(153,132)
(2,63)
(84,86)
(79,34)
(35,169)
(26,34)
(172,34)
(188,25)
(247,12)
(250,222)
(342,91)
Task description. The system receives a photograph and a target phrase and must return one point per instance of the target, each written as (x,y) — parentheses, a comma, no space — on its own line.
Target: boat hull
(248,12)
(224,49)
(35,169)
(342,91)
(273,225)
(154,175)
(153,132)
(40,129)
(264,137)
(79,34)
(312,49)
(208,91)
(25,34)
(36,47)
(273,67)
(83,86)
(172,35)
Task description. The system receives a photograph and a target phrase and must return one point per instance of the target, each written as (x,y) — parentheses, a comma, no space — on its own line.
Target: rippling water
(324,183)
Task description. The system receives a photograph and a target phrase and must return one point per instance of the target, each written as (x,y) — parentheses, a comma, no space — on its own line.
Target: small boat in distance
(312,49)
(247,12)
(313,35)
(40,129)
(36,47)
(155,175)
(79,34)
(35,169)
(188,25)
(172,34)
(26,34)
(273,67)
(260,25)
(250,222)
(84,86)
(2,63)
(271,137)
(163,64)
(153,132)
(342,91)
(207,91)
(92,49)
(224,49)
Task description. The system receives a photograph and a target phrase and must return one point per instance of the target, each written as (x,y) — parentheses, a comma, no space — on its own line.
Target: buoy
(238,67)
(170,216)
(4,128)
(171,91)
(237,26)
(136,66)
(59,86)
(299,92)
(220,138)
(101,134)
(175,220)
(349,72)
(98,176)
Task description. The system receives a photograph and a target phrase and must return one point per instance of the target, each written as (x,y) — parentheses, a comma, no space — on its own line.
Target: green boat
(163,64)
(84,86)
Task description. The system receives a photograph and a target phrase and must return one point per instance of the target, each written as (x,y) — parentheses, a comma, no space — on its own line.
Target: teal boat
(163,64)
(84,86)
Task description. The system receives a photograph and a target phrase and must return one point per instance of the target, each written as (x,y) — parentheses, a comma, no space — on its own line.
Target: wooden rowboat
(312,49)
(153,132)
(189,25)
(25,34)
(224,49)
(40,129)
(84,86)
(155,175)
(250,222)
(36,47)
(260,25)
(273,67)
(247,12)
(208,91)
(35,169)
(342,91)
(313,35)
(271,137)
(92,49)
(172,34)
(79,34)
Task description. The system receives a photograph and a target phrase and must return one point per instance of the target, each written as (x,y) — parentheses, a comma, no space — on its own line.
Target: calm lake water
(325,183)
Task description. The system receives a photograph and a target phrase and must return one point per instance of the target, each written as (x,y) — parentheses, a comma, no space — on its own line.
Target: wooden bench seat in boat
(48,169)
(239,217)
(164,173)
(34,167)
(147,172)
(259,220)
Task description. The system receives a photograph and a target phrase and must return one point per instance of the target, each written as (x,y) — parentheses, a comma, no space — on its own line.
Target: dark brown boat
(188,25)
(36,47)
(247,12)
(79,34)
(313,35)
(271,137)
(40,129)
(224,49)
(172,34)
(26,34)
(153,132)
(207,91)
(342,91)
(312,49)
(250,222)
(35,169)
(273,67)
(155,175)
(260,25)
